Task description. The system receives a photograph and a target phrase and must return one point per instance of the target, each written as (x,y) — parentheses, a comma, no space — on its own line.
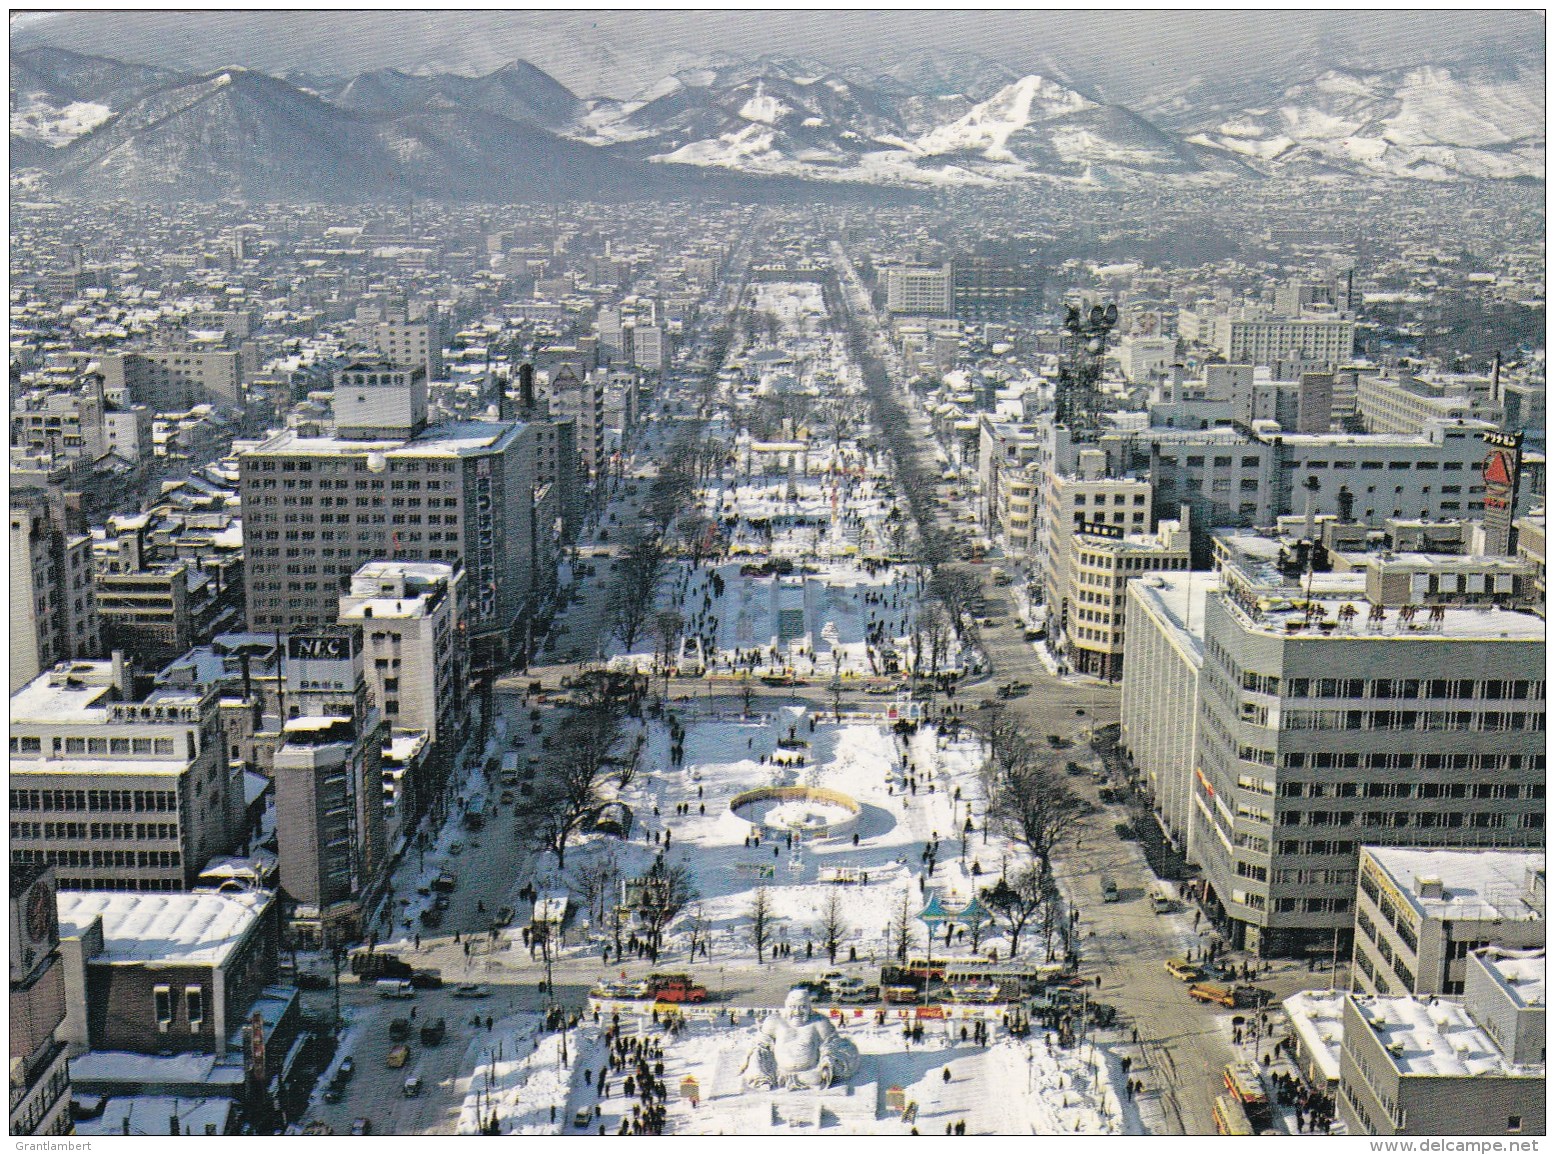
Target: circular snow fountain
(806,812)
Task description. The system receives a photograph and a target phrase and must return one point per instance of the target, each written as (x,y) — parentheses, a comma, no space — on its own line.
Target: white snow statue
(798,1048)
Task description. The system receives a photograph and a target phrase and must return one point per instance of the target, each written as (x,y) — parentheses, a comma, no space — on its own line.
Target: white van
(396,989)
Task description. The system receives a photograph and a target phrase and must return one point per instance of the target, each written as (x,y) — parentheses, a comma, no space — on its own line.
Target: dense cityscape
(1058,654)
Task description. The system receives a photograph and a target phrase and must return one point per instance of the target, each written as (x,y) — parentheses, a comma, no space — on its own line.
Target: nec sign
(303,647)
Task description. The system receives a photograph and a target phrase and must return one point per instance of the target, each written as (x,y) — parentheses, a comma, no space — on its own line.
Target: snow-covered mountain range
(99,127)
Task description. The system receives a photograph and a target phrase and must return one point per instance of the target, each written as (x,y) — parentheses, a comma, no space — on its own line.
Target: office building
(40,1074)
(403,339)
(578,397)
(1092,614)
(1419,914)
(157,974)
(1349,724)
(414,661)
(316,509)
(1409,403)
(119,794)
(329,788)
(1159,716)
(1073,501)
(1242,337)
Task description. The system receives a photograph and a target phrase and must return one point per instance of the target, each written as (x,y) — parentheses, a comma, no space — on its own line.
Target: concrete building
(1243,337)
(1072,501)
(53,607)
(414,660)
(1164,623)
(405,340)
(119,794)
(1505,988)
(1231,478)
(408,614)
(1427,1068)
(571,395)
(177,379)
(329,788)
(919,290)
(377,399)
(1419,914)
(1144,359)
(40,1074)
(163,973)
(82,422)
(1530,548)
(1102,561)
(1350,724)
(1409,403)
(315,509)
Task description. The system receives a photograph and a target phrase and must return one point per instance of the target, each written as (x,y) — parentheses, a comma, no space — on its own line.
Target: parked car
(433,1033)
(362,1127)
(1183,970)
(399,1030)
(347,1067)
(399,1055)
(470,991)
(412,1086)
(427,980)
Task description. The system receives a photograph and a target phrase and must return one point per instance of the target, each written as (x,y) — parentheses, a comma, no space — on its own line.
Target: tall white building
(412,655)
(915,289)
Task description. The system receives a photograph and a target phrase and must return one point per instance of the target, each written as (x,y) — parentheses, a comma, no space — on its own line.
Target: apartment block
(919,290)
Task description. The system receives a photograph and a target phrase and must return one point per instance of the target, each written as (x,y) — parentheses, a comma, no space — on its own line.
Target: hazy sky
(1124,53)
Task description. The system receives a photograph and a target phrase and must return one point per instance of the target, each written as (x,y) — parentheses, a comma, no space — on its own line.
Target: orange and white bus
(1230,1118)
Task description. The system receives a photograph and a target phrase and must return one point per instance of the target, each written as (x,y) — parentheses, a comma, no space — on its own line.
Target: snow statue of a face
(798,1048)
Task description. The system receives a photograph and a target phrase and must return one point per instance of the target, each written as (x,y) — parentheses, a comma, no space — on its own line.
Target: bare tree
(570,791)
(666,889)
(747,695)
(593,884)
(1016,899)
(900,929)
(668,625)
(957,588)
(1034,805)
(761,920)
(832,926)
(935,624)
(626,769)
(640,569)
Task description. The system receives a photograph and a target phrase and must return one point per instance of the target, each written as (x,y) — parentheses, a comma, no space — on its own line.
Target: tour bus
(1013,979)
(1230,1118)
(510,768)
